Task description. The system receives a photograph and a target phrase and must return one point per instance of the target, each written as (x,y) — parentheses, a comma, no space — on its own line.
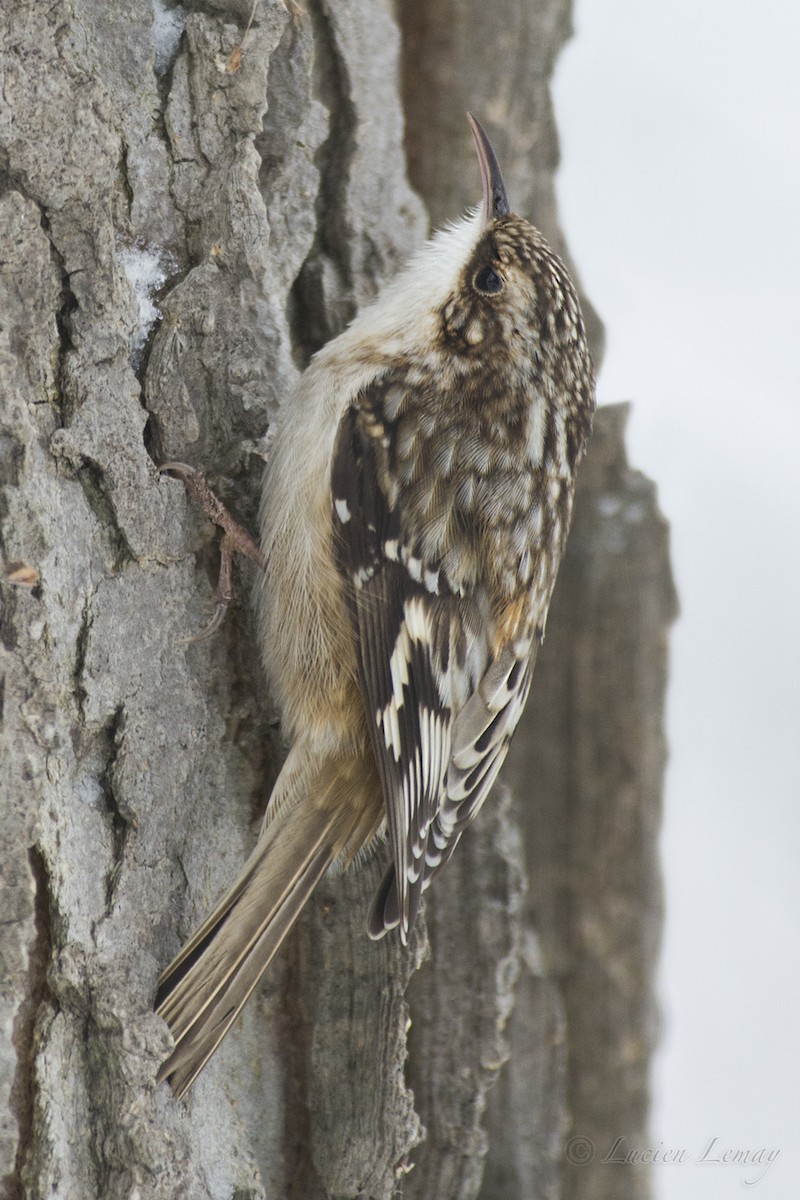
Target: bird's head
(513,304)
(486,295)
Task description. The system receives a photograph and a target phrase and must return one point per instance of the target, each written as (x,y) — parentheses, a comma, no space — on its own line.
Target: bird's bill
(495,200)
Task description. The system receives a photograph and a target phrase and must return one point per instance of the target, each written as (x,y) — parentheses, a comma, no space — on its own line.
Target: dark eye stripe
(488,281)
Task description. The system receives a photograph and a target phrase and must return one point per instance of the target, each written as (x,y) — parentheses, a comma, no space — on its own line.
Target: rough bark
(185,219)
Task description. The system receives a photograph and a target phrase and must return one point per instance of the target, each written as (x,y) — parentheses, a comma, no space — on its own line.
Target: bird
(415,509)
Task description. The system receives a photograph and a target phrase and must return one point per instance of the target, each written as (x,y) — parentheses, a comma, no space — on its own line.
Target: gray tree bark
(186,217)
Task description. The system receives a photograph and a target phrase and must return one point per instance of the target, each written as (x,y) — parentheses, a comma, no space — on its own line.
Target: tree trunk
(188,212)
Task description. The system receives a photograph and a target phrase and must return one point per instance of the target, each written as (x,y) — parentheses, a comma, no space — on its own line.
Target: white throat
(406,309)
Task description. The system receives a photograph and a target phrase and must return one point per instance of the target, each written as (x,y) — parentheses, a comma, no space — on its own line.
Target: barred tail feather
(203,990)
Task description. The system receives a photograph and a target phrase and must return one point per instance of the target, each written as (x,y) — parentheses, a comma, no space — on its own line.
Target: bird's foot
(234,539)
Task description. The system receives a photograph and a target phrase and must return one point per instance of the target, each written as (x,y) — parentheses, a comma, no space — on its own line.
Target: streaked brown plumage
(415,511)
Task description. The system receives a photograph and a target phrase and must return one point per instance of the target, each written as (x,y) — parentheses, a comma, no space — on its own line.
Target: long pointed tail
(202,991)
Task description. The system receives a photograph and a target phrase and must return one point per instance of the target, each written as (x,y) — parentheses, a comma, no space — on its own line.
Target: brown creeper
(415,511)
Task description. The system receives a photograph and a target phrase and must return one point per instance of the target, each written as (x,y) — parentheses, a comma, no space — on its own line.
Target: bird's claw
(234,538)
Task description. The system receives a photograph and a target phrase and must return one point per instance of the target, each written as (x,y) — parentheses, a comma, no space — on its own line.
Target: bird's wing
(403,641)
(440,712)
(480,739)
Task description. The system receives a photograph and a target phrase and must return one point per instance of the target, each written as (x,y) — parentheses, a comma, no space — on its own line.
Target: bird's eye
(488,281)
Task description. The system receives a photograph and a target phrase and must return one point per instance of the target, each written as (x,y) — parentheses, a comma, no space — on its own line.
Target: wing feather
(440,711)
(403,641)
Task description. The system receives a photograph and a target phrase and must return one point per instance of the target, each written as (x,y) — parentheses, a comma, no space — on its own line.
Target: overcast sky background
(680,198)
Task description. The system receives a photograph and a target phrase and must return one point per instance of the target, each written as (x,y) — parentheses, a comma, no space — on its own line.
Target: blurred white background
(680,198)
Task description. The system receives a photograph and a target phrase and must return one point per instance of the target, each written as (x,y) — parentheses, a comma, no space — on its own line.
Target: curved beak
(495,200)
